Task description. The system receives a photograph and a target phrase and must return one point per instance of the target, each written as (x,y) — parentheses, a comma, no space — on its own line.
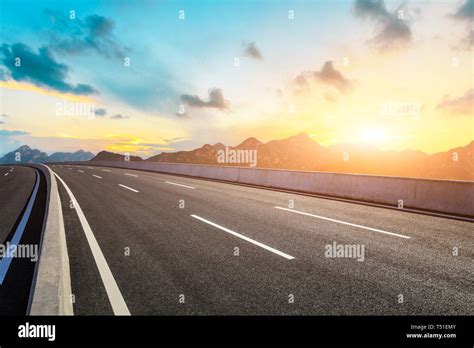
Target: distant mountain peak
(79,155)
(112,156)
(29,155)
(218,146)
(207,147)
(301,137)
(251,143)
(26,155)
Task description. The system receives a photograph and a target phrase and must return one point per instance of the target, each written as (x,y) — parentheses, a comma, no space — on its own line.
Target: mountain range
(298,152)
(301,152)
(25,154)
(111,156)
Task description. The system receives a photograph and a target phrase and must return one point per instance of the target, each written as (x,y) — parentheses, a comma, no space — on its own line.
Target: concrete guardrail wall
(51,291)
(445,196)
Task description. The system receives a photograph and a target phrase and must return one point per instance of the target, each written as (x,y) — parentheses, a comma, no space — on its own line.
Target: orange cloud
(21,86)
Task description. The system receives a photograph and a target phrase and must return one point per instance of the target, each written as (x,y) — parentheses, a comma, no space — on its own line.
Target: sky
(142,77)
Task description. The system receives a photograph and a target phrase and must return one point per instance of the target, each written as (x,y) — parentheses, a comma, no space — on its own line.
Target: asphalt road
(23,193)
(230,250)
(16,185)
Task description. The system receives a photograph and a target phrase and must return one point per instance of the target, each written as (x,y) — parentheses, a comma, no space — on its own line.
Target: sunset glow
(179,92)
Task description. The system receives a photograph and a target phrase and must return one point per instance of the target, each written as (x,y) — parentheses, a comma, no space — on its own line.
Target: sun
(373,135)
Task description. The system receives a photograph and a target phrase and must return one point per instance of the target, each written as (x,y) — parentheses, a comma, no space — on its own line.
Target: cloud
(100,112)
(216,100)
(3,75)
(371,8)
(94,33)
(465,13)
(394,32)
(327,75)
(333,77)
(252,51)
(68,136)
(148,146)
(40,68)
(460,105)
(169,141)
(301,80)
(119,117)
(145,148)
(11,133)
(468,41)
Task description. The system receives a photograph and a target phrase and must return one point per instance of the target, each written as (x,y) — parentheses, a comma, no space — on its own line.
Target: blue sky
(171,55)
(190,62)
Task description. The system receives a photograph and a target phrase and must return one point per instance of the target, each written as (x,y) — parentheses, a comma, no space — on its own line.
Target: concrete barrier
(457,196)
(443,196)
(227,174)
(51,294)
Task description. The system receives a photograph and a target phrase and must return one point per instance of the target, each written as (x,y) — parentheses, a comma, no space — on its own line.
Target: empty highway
(144,243)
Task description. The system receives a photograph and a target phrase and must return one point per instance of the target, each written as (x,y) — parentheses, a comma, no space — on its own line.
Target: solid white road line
(99,177)
(344,223)
(113,292)
(173,183)
(131,175)
(128,188)
(286,256)
(106,170)
(80,171)
(6,260)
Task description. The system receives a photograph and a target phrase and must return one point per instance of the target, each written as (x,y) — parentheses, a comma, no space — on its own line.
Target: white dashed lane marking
(128,188)
(173,183)
(344,223)
(266,247)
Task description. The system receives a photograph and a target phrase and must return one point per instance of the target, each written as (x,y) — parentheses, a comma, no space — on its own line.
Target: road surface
(145,243)
(22,210)
(175,245)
